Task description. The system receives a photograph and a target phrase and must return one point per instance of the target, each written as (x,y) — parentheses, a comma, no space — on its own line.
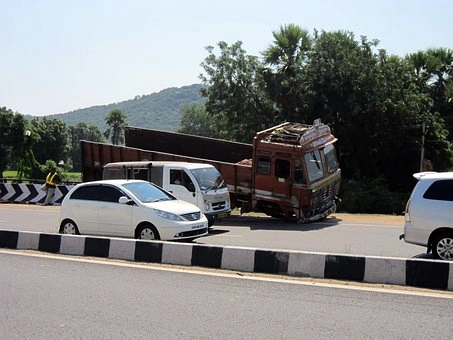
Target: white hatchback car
(429,214)
(129,208)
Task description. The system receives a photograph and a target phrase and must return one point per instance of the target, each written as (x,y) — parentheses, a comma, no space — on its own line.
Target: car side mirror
(125,200)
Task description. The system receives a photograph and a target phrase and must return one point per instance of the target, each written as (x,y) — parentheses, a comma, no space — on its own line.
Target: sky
(58,56)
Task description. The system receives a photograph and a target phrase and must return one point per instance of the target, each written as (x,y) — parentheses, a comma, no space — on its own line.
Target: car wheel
(69,227)
(148,232)
(443,246)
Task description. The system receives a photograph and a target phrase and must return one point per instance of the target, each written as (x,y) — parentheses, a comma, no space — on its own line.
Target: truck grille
(218,205)
(323,199)
(192,216)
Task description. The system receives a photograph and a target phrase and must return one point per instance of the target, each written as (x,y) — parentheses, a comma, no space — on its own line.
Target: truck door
(181,185)
(282,177)
(273,176)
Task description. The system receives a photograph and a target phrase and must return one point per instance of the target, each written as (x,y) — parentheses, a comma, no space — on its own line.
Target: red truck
(290,171)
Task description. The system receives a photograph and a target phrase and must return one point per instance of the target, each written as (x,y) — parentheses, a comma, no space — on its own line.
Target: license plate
(197,226)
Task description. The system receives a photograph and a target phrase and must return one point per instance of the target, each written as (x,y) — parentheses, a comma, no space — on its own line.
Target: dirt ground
(369,218)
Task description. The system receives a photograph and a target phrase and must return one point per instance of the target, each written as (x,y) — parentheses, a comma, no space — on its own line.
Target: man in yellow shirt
(52,180)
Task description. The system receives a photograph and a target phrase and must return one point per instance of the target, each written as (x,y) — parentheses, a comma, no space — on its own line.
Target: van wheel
(147,232)
(69,227)
(443,246)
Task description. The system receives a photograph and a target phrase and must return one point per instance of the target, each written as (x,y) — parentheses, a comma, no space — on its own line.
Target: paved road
(343,234)
(49,298)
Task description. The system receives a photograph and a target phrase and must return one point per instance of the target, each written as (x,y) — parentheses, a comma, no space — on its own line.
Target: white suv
(429,214)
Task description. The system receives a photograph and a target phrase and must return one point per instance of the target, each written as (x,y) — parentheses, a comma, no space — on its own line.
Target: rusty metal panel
(187,145)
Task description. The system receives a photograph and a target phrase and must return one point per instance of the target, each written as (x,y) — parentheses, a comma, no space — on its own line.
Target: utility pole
(422,155)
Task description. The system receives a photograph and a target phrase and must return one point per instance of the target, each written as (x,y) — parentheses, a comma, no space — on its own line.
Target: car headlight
(168,216)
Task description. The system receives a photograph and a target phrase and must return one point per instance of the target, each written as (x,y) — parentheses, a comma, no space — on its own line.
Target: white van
(197,183)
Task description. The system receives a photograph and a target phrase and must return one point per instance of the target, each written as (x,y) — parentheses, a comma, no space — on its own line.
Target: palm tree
(116,120)
(289,49)
(286,57)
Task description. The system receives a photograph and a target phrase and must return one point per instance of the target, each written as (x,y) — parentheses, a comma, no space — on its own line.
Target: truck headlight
(168,216)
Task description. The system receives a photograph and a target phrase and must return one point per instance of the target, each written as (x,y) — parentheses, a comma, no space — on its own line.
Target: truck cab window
(180,177)
(298,172)
(282,168)
(264,165)
(331,158)
(141,174)
(176,177)
(313,163)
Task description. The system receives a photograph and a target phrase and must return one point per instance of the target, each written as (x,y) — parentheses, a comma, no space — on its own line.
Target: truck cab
(197,183)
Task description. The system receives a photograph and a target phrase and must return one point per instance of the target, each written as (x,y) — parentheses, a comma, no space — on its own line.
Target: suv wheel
(443,246)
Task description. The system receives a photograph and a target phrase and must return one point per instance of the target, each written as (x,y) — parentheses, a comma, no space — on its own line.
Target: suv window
(440,190)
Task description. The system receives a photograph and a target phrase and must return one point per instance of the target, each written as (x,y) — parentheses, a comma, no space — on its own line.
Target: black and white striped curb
(30,193)
(412,272)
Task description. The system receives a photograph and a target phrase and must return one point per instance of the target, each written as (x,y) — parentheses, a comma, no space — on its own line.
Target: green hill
(159,110)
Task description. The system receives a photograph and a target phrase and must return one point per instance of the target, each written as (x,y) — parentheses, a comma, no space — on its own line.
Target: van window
(441,190)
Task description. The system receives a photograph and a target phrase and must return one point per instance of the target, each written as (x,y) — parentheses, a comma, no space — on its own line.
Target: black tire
(69,227)
(443,246)
(147,232)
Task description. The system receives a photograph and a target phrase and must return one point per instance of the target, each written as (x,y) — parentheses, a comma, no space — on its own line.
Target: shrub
(370,196)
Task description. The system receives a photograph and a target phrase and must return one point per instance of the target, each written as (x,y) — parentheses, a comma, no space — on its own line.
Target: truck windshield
(314,165)
(208,178)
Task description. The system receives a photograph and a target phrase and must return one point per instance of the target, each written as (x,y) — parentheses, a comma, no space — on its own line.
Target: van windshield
(208,178)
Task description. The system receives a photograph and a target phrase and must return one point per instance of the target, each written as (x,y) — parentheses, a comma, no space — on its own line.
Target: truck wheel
(148,232)
(443,246)
(69,227)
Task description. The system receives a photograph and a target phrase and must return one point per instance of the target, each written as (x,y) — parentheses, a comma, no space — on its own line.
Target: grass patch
(67,176)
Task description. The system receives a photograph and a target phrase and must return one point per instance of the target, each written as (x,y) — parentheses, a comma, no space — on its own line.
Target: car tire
(443,246)
(69,227)
(147,232)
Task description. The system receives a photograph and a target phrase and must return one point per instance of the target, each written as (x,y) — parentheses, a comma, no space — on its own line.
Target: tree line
(33,147)
(393,116)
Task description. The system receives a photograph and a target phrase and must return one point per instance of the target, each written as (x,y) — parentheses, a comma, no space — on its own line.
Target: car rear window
(440,190)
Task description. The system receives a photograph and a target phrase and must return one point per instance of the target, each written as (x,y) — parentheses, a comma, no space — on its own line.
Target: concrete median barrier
(421,273)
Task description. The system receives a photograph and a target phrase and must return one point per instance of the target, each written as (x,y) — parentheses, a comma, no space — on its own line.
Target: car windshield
(147,193)
(208,178)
